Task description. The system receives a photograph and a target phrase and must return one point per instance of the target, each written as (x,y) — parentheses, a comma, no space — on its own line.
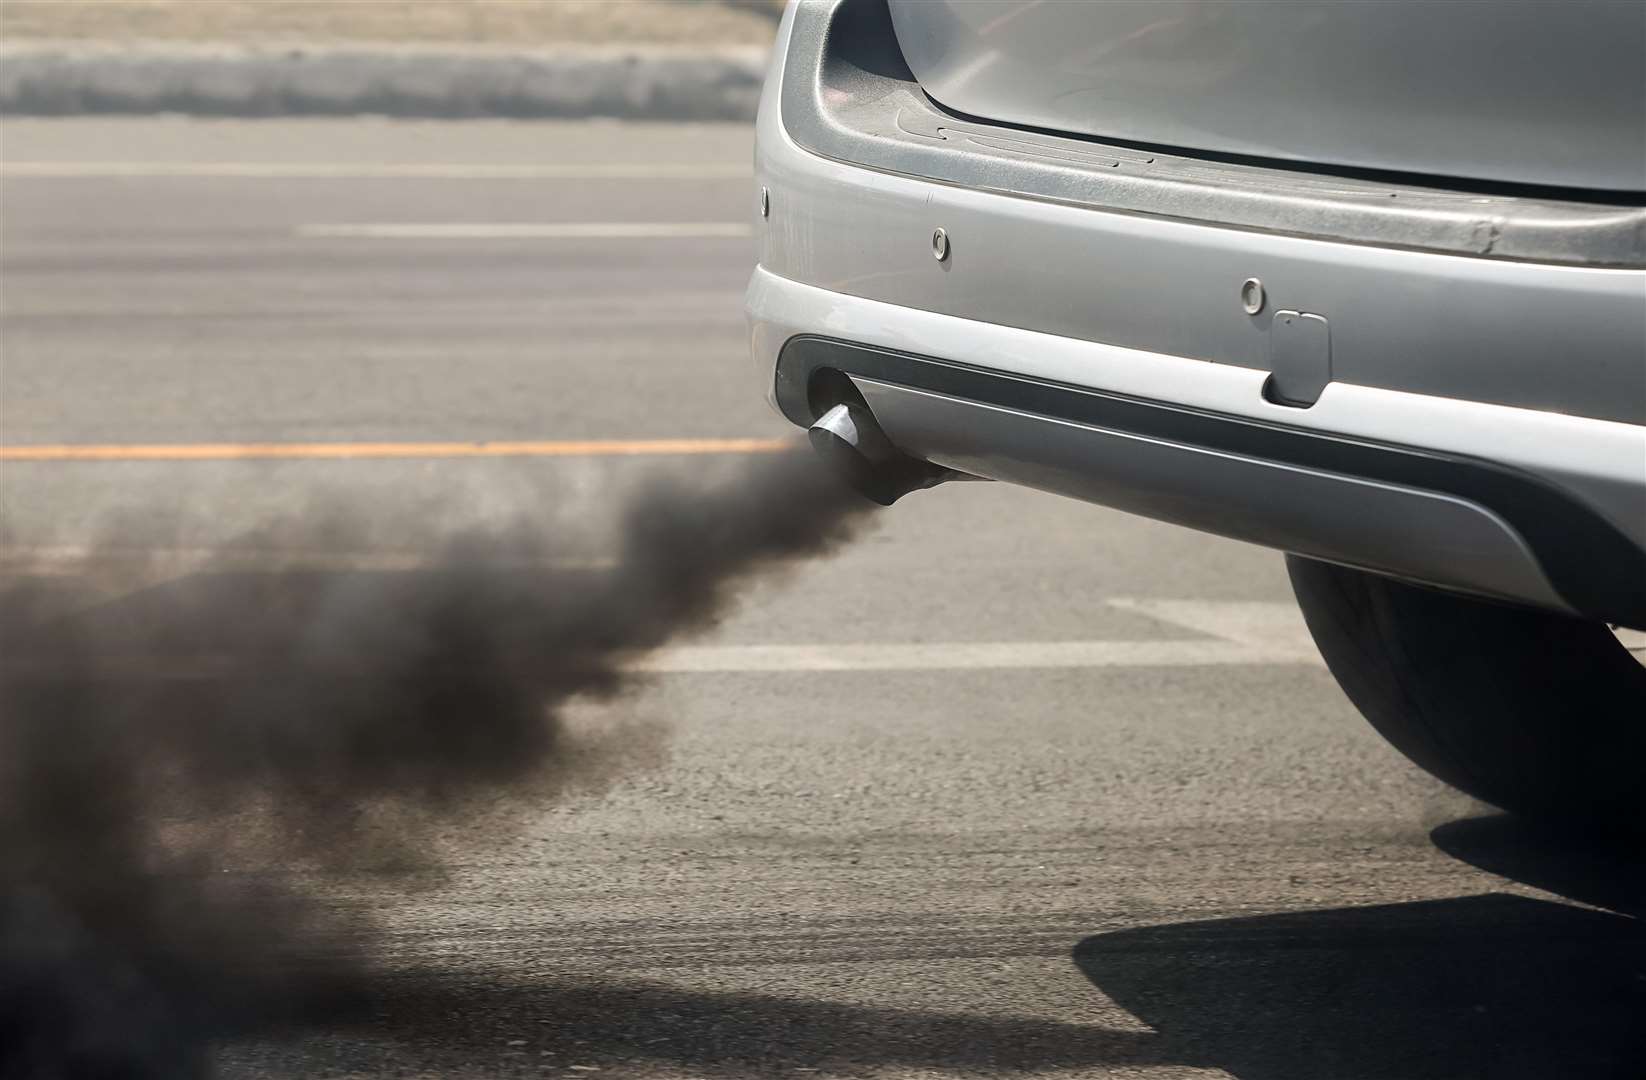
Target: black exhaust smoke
(173,761)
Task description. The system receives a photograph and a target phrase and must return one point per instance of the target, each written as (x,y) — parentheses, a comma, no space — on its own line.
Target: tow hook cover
(1300,358)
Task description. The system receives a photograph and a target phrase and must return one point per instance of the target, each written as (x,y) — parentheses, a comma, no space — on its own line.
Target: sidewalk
(628,81)
(642,59)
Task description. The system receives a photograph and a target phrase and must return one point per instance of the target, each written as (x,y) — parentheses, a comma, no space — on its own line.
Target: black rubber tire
(1536,713)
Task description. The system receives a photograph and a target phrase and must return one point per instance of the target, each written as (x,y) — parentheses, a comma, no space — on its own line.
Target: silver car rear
(1438,380)
(1364,282)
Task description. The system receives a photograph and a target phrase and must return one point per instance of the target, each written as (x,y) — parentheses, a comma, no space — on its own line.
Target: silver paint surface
(1526,91)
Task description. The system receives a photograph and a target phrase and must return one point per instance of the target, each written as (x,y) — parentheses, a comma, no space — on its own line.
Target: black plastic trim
(1584,556)
(848,95)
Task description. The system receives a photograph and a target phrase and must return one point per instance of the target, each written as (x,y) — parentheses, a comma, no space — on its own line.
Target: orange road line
(245,451)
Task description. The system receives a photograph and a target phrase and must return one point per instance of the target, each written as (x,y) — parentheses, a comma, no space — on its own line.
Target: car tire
(1539,714)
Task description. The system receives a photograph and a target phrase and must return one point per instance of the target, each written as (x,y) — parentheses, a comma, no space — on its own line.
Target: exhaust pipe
(851,441)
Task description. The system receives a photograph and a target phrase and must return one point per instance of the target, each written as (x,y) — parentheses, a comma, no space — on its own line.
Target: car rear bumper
(1480,425)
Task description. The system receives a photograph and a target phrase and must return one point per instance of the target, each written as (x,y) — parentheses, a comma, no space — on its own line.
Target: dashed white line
(1237,632)
(1260,624)
(72,560)
(273,170)
(557,230)
(962,656)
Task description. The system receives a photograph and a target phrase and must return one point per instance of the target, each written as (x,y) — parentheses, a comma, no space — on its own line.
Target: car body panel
(1599,464)
(1267,502)
(1541,92)
(1402,317)
(1530,375)
(847,94)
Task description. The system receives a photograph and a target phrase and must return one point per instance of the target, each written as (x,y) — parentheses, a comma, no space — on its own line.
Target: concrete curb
(45,78)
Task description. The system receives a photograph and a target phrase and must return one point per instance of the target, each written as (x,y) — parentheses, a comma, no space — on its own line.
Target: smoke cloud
(184,769)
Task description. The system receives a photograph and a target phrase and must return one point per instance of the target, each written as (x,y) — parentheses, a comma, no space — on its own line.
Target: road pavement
(1009,785)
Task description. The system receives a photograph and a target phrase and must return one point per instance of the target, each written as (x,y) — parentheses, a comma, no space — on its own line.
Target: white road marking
(1271,626)
(73,559)
(1633,640)
(961,655)
(556,230)
(1238,633)
(860,657)
(325,170)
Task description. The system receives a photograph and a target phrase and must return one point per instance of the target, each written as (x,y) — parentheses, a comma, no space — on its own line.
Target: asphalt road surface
(1009,785)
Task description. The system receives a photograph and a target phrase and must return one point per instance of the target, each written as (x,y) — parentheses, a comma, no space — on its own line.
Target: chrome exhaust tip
(849,439)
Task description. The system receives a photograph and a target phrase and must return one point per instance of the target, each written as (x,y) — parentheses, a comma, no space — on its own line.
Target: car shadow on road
(1495,985)
(1603,872)
(436,1023)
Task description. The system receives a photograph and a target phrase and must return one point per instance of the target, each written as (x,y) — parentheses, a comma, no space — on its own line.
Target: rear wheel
(1537,713)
